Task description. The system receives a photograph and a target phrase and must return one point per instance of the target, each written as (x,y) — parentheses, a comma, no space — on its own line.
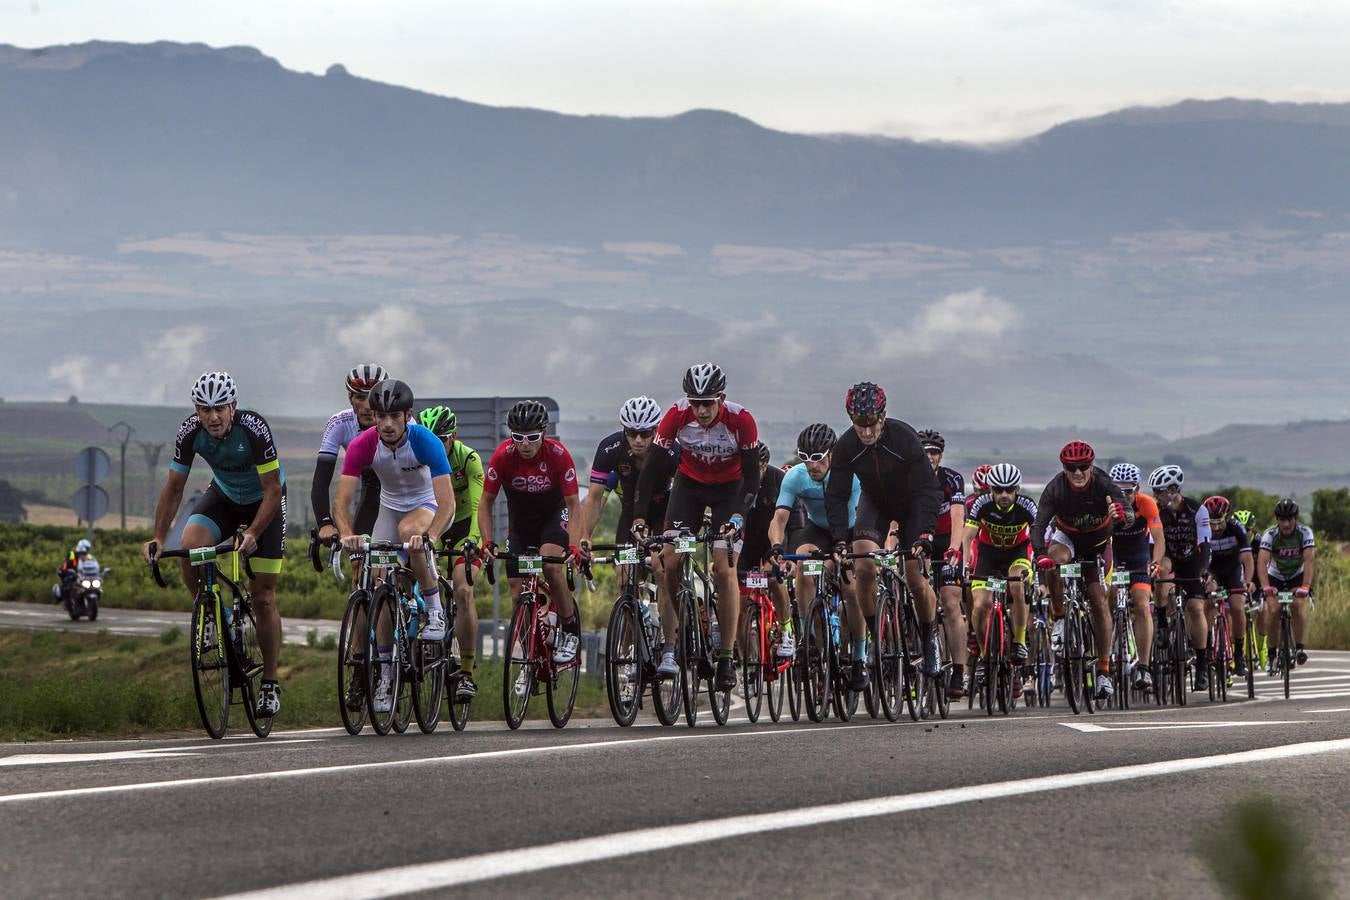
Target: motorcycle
(86,589)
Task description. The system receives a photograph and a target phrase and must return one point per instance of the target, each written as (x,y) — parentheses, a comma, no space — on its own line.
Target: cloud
(164,365)
(957,323)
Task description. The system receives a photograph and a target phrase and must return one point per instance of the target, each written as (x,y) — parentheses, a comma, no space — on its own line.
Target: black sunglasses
(639,432)
(1081,467)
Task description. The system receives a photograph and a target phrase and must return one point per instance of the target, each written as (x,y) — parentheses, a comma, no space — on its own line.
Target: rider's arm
(1246,564)
(968,532)
(1045,511)
(444,489)
(592,507)
(167,507)
(839,489)
(318,488)
(491,485)
(473,468)
(925,493)
(958,517)
(342,505)
(1203,536)
(778,526)
(1263,566)
(749,481)
(1309,561)
(662,461)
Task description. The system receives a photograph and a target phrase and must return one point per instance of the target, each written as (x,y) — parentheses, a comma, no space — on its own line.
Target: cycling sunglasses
(639,432)
(812,457)
(1079,467)
(865,421)
(702,401)
(533,437)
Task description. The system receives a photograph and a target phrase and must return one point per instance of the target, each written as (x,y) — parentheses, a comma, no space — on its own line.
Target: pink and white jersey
(709,455)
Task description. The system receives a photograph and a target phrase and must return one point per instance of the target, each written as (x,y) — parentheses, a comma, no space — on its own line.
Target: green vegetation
(1329,625)
(1331,512)
(1262,854)
(1259,502)
(62,684)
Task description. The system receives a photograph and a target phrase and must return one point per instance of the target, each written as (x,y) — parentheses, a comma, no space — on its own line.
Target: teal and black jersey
(246,452)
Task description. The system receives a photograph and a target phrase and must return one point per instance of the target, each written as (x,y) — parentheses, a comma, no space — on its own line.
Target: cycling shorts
(946,575)
(874,524)
(623,532)
(1187,573)
(222,517)
(533,534)
(1136,563)
(1000,562)
(689,498)
(1228,575)
(457,535)
(387,522)
(810,533)
(1085,547)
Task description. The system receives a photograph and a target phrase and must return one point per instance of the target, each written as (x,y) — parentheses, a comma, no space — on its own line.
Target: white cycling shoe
(566,651)
(435,630)
(787,645)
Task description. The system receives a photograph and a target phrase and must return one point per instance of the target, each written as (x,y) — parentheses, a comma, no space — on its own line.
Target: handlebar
(559,560)
(223,547)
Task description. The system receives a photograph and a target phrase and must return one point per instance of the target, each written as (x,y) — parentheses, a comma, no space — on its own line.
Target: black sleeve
(660,465)
(318,489)
(749,481)
(368,509)
(839,489)
(1045,511)
(925,492)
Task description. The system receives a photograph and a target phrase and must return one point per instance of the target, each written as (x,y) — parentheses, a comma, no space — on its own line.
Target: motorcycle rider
(70,568)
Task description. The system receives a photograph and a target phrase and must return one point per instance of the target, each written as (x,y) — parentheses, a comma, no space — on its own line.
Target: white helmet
(364,377)
(83,546)
(1125,473)
(1165,477)
(1004,475)
(214,389)
(640,413)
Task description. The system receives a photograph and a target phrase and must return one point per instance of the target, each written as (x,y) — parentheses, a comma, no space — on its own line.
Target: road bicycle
(827,654)
(223,649)
(1220,649)
(633,640)
(1041,663)
(530,641)
(1122,637)
(994,668)
(1078,655)
(1250,647)
(763,671)
(1284,649)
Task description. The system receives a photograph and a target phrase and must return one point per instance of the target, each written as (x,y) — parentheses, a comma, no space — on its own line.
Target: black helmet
(704,380)
(932,440)
(391,395)
(1286,509)
(864,401)
(763,449)
(817,438)
(527,415)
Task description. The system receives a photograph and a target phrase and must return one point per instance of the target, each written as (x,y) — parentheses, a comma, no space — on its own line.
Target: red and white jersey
(551,470)
(709,455)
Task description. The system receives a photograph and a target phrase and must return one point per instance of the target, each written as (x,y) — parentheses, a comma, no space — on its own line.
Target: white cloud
(956,323)
(164,365)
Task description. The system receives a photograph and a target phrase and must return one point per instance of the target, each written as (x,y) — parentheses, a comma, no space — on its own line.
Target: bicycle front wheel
(518,668)
(816,674)
(690,654)
(351,663)
(561,691)
(384,677)
(752,662)
(1286,650)
(1072,663)
(249,665)
(210,666)
(428,683)
(794,670)
(623,669)
(888,674)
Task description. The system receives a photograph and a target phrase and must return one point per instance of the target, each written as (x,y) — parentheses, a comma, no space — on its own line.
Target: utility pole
(126,439)
(151,451)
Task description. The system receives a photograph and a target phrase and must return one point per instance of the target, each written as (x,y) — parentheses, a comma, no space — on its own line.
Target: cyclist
(1082,503)
(70,568)
(466,477)
(338,434)
(1231,567)
(1186,536)
(897,487)
(718,471)
(1247,519)
(543,510)
(756,547)
(804,486)
(1288,555)
(947,547)
(1139,548)
(247,490)
(619,460)
(417,499)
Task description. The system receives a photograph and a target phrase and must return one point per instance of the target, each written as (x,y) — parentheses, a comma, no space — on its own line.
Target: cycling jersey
(1074,512)
(534,487)
(246,452)
(709,455)
(1227,550)
(1286,553)
(1130,542)
(953,492)
(1185,530)
(1002,528)
(466,477)
(799,486)
(405,471)
(896,478)
(341,430)
(755,544)
(616,469)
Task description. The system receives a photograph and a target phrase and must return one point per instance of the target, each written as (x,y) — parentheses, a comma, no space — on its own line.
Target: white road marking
(399,880)
(1170,726)
(46,759)
(1337,709)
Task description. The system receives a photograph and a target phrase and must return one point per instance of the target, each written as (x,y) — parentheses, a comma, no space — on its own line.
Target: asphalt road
(1036,804)
(137,622)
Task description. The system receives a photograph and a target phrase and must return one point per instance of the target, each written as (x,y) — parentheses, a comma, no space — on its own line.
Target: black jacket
(895,477)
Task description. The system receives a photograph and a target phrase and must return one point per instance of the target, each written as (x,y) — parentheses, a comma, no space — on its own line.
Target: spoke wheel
(689,655)
(351,664)
(623,669)
(888,673)
(794,670)
(1072,663)
(383,608)
(1253,660)
(816,674)
(1286,651)
(752,662)
(845,699)
(428,683)
(249,665)
(518,664)
(210,667)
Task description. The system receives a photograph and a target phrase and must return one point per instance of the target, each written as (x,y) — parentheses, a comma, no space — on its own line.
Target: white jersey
(340,431)
(405,471)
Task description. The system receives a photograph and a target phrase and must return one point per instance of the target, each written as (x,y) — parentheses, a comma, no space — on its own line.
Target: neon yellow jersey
(466,474)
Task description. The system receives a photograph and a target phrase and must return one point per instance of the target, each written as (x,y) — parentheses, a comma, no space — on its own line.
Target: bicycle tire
(1249,650)
(752,662)
(916,697)
(518,662)
(1286,649)
(351,667)
(845,699)
(888,674)
(776,686)
(1219,654)
(250,668)
(794,670)
(210,668)
(690,654)
(816,674)
(1179,657)
(560,692)
(428,683)
(623,668)
(1072,662)
(383,603)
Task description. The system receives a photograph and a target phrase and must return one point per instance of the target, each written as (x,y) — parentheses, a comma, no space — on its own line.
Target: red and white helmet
(364,377)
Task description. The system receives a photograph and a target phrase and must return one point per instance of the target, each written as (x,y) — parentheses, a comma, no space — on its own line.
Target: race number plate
(530,565)
(202,556)
(997,584)
(1071,570)
(756,580)
(628,556)
(1120,578)
(1285,597)
(685,545)
(813,566)
(383,558)
(889,560)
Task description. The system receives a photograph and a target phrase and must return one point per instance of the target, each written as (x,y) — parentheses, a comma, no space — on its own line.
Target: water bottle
(415,618)
(834,626)
(646,614)
(714,629)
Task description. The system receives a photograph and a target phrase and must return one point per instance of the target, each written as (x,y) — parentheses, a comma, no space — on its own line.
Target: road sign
(92,465)
(91,503)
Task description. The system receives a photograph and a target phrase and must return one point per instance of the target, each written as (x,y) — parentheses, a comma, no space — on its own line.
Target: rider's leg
(1143,623)
(466,618)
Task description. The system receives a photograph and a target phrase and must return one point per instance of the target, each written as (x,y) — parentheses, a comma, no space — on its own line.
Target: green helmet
(440,420)
(1244,517)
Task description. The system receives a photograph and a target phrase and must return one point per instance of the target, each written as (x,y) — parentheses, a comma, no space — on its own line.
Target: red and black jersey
(534,487)
(709,455)
(953,492)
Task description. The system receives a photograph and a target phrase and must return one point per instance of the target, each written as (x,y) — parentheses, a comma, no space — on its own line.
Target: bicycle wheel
(1219,654)
(690,654)
(561,691)
(428,682)
(351,663)
(623,669)
(1089,663)
(666,695)
(388,672)
(816,674)
(752,662)
(911,648)
(1179,655)
(888,673)
(1120,660)
(210,666)
(457,710)
(518,666)
(249,666)
(1253,660)
(1286,649)
(1071,664)
(777,683)
(845,699)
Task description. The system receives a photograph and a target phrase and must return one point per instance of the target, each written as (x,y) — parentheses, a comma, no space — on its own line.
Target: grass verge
(56,684)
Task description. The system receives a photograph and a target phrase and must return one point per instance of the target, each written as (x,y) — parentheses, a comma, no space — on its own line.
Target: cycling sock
(860,648)
(432,596)
(571,624)
(384,654)
(466,661)
(958,671)
(725,654)
(785,626)
(1019,634)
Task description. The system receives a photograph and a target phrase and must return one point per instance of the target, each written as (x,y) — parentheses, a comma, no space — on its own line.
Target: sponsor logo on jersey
(531,484)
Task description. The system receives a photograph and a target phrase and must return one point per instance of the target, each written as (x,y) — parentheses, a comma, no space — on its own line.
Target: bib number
(202,556)
(756,580)
(628,556)
(685,545)
(383,558)
(813,567)
(530,565)
(1285,597)
(997,584)
(1071,570)
(1120,578)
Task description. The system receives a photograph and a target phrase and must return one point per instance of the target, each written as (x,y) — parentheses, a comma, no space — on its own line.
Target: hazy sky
(959,69)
